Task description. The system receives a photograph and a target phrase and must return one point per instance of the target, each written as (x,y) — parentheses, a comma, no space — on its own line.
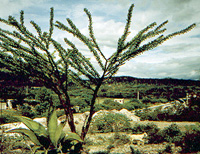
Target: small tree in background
(32,55)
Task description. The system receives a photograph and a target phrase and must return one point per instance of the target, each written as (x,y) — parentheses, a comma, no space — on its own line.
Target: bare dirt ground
(101,141)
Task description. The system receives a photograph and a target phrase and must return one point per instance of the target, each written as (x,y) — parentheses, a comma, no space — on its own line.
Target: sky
(176,58)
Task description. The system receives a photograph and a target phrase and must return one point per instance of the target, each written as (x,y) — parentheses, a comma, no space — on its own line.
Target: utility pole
(138,95)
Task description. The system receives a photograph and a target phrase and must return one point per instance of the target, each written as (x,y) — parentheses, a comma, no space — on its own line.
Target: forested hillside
(116,87)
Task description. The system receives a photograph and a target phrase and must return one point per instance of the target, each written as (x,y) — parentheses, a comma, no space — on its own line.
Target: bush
(82,103)
(28,111)
(191,113)
(121,139)
(8,144)
(153,133)
(7,116)
(110,105)
(172,134)
(85,109)
(133,104)
(60,113)
(168,148)
(110,122)
(154,100)
(138,128)
(98,107)
(191,140)
(133,151)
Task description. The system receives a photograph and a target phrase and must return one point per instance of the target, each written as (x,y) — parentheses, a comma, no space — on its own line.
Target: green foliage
(191,140)
(102,152)
(154,100)
(110,123)
(28,111)
(8,116)
(8,144)
(14,92)
(172,134)
(109,105)
(133,104)
(168,148)
(133,151)
(81,102)
(121,139)
(49,139)
(181,113)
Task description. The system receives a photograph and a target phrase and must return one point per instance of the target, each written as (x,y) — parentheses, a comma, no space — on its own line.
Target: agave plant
(54,138)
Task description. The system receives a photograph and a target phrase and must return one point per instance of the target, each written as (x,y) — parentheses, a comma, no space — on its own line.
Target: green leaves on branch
(35,54)
(125,50)
(133,48)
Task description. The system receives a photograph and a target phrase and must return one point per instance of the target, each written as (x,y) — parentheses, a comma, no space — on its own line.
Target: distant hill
(7,79)
(166,81)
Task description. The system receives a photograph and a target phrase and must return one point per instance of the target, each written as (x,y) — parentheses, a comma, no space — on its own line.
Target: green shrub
(153,135)
(98,107)
(28,111)
(9,143)
(192,113)
(110,123)
(110,147)
(82,103)
(172,134)
(102,152)
(168,148)
(110,105)
(154,100)
(191,139)
(133,104)
(133,151)
(53,139)
(138,128)
(60,113)
(85,109)
(8,116)
(121,139)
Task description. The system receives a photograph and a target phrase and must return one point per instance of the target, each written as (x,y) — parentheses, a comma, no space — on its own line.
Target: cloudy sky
(176,58)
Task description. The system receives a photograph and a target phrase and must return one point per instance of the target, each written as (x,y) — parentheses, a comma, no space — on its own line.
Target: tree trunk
(86,128)
(68,112)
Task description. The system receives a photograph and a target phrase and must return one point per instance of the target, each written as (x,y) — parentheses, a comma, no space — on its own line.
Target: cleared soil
(100,142)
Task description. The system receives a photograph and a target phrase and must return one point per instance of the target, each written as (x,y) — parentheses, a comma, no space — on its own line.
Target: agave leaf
(35,148)
(28,133)
(52,125)
(60,134)
(72,136)
(36,127)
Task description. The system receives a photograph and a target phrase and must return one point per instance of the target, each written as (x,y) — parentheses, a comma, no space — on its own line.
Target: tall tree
(23,52)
